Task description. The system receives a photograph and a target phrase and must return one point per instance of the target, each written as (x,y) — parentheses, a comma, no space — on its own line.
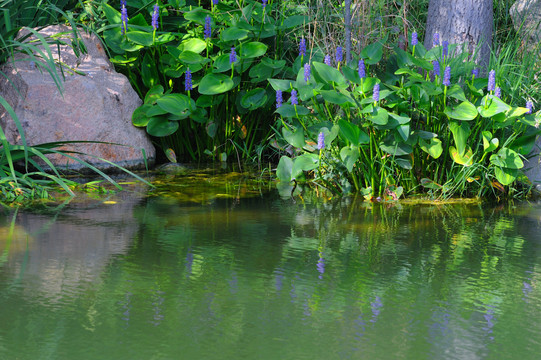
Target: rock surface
(527,14)
(96,104)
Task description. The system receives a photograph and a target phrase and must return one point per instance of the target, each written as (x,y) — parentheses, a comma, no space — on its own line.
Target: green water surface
(234,271)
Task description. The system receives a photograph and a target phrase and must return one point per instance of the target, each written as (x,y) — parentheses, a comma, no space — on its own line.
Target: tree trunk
(466,22)
(347,20)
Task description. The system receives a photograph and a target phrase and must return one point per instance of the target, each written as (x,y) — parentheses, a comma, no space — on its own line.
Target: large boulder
(526,15)
(96,104)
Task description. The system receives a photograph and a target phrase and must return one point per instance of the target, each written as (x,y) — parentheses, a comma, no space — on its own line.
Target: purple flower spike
(375,94)
(447,76)
(327,60)
(279,98)
(294,100)
(123,3)
(302,47)
(414,40)
(498,92)
(215,2)
(339,54)
(321,141)
(232,56)
(475,72)
(445,48)
(264,3)
(188,80)
(491,80)
(124,19)
(436,67)
(362,69)
(436,39)
(208,29)
(155,16)
(306,72)
(529,106)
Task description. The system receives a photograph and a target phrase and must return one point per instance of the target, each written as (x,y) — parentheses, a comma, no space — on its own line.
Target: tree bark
(347,20)
(466,22)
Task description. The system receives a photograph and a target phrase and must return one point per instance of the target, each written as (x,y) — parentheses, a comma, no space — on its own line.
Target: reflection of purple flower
(279,98)
(124,19)
(321,261)
(327,60)
(475,72)
(498,92)
(489,318)
(445,48)
(362,69)
(436,39)
(447,76)
(188,80)
(339,54)
(436,67)
(376,305)
(232,55)
(321,146)
(306,72)
(208,29)
(278,285)
(375,94)
(414,40)
(155,16)
(526,289)
(491,80)
(294,100)
(302,47)
(529,106)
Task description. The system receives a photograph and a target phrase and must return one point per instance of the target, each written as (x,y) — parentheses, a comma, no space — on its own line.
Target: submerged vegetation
(278,82)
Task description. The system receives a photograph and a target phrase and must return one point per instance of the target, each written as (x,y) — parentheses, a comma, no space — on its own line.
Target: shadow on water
(212,266)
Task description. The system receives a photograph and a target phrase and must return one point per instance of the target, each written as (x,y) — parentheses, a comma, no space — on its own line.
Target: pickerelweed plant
(432,124)
(202,70)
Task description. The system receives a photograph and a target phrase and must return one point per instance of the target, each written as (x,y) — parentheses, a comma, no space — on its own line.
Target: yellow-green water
(216,269)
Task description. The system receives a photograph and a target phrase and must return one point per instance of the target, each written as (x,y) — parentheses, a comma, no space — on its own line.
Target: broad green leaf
(505,176)
(489,143)
(379,116)
(431,146)
(274,64)
(284,169)
(294,21)
(507,158)
(234,33)
(456,92)
(205,101)
(253,49)
(154,94)
(524,145)
(461,131)
(149,72)
(254,99)
(260,72)
(194,45)
(463,111)
(213,84)
(404,131)
(284,85)
(199,115)
(288,110)
(349,155)
(295,137)
(430,184)
(197,15)
(491,105)
(190,57)
(335,97)
(305,162)
(139,116)
(160,126)
(174,103)
(351,75)
(140,37)
(465,159)
(352,133)
(328,74)
(331,134)
(393,147)
(372,53)
(155,111)
(403,163)
(112,14)
(221,64)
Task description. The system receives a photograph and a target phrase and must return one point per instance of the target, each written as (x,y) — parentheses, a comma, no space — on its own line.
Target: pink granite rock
(96,104)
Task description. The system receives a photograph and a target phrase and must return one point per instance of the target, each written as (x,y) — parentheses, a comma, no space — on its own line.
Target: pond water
(226,268)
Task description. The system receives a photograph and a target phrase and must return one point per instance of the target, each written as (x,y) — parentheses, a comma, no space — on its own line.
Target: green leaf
(288,110)
(431,146)
(273,64)
(393,147)
(352,133)
(335,97)
(461,131)
(305,162)
(254,99)
(505,176)
(154,94)
(294,138)
(491,105)
(197,15)
(465,159)
(190,57)
(160,126)
(140,37)
(403,163)
(155,111)
(430,184)
(456,92)
(174,103)
(149,72)
(221,64)
(349,155)
(213,84)
(507,158)
(284,85)
(463,111)
(205,101)
(194,45)
(294,21)
(284,169)
(234,33)
(253,49)
(139,116)
(489,143)
(328,74)
(380,116)
(112,14)
(372,53)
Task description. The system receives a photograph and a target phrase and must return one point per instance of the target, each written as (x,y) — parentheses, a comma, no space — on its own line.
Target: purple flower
(491,80)
(529,106)
(362,69)
(264,3)
(436,67)
(124,19)
(327,60)
(215,2)
(306,72)
(414,40)
(232,56)
(498,92)
(447,76)
(123,3)
(436,39)
(294,100)
(321,141)
(208,30)
(475,72)
(302,47)
(445,48)
(339,55)
(188,80)
(279,98)
(155,16)
(375,94)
